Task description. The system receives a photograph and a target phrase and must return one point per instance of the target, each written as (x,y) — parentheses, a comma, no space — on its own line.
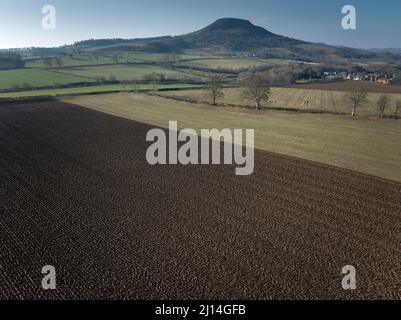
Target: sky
(378,22)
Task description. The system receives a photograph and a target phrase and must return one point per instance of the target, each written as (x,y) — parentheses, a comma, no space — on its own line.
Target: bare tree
(257,89)
(137,85)
(397,79)
(48,63)
(100,79)
(26,86)
(382,104)
(59,62)
(358,99)
(169,59)
(397,108)
(214,89)
(117,57)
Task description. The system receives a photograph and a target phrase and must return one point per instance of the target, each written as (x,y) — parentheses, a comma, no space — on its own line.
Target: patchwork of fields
(86,67)
(233,64)
(78,60)
(123,71)
(124,67)
(371,146)
(75,61)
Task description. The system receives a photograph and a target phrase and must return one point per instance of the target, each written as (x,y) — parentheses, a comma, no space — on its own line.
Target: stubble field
(307,98)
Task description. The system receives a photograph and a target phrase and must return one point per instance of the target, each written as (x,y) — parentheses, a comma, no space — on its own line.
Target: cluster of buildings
(371,77)
(333,75)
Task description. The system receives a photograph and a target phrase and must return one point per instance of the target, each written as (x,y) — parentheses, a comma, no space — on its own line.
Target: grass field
(156,57)
(123,71)
(234,64)
(322,100)
(350,85)
(88,59)
(370,146)
(202,74)
(85,68)
(74,61)
(93,89)
(36,78)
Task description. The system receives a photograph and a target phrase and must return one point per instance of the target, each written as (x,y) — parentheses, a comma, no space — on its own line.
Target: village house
(385,81)
(371,77)
(331,75)
(354,76)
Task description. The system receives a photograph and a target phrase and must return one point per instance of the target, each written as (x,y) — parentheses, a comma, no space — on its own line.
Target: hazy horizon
(311,20)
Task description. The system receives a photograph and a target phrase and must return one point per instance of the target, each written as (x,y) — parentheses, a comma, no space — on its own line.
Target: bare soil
(77,193)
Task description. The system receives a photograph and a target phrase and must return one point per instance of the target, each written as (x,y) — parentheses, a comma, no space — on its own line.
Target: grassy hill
(231,36)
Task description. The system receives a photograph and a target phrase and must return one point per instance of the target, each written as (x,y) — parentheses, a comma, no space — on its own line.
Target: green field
(371,146)
(123,71)
(290,98)
(203,75)
(36,78)
(75,61)
(156,57)
(87,59)
(93,89)
(232,64)
(85,68)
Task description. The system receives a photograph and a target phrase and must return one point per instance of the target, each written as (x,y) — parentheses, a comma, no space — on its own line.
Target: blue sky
(379,23)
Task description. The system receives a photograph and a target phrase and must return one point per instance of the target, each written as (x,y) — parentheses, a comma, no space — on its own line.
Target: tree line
(359,98)
(11,60)
(257,90)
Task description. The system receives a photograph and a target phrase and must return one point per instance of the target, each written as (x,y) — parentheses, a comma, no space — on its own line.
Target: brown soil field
(77,193)
(350,86)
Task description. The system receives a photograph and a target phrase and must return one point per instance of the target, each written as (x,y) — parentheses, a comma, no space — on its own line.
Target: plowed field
(77,193)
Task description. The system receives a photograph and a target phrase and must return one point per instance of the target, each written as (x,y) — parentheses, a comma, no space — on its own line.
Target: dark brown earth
(76,193)
(350,85)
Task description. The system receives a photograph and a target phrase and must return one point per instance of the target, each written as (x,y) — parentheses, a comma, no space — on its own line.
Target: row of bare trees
(256,89)
(360,98)
(53,62)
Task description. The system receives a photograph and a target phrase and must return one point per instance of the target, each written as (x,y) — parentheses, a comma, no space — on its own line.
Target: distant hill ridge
(233,36)
(236,35)
(228,36)
(236,26)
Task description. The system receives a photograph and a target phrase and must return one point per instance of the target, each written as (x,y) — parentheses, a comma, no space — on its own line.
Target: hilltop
(233,36)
